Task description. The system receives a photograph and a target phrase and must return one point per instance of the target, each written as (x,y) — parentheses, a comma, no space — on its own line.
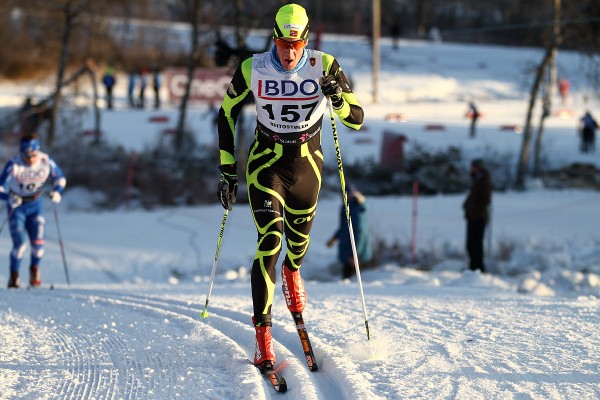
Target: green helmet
(291,22)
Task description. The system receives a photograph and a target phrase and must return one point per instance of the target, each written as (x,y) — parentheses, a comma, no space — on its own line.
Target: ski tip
(282,386)
(204,314)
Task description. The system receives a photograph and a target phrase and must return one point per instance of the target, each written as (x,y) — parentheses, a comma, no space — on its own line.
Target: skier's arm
(6,173)
(350,112)
(230,110)
(57,176)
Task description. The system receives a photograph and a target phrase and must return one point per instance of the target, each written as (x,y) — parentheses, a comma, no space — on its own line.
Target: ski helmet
(291,22)
(30,144)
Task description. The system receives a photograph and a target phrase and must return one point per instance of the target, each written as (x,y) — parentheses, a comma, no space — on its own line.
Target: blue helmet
(30,145)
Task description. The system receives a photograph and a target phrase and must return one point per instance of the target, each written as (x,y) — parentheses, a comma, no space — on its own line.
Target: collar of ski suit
(279,67)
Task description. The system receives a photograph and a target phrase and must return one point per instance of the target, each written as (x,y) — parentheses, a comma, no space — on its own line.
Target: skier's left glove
(55,196)
(332,89)
(227,189)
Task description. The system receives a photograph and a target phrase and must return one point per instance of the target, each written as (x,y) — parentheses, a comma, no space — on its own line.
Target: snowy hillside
(129,326)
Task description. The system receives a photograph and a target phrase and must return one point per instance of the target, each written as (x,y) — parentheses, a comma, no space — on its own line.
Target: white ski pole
(10,213)
(204,313)
(347,208)
(62,246)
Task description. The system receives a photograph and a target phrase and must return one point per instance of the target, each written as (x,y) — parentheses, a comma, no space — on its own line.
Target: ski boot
(13,281)
(35,278)
(293,289)
(264,353)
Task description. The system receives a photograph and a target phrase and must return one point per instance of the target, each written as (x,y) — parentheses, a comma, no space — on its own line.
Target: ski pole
(62,246)
(10,213)
(347,208)
(204,313)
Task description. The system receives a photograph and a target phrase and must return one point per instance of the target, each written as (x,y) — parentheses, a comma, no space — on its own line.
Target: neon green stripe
(327,62)
(226,157)
(247,71)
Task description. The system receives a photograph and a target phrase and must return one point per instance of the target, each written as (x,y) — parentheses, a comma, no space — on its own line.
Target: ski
(267,369)
(306,346)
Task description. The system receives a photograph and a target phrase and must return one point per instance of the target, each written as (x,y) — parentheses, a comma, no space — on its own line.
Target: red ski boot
(35,278)
(13,281)
(293,289)
(264,351)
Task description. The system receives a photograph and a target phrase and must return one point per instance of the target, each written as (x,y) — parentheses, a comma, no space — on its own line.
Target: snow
(129,326)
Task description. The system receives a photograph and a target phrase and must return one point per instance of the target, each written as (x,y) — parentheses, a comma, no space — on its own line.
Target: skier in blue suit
(22,184)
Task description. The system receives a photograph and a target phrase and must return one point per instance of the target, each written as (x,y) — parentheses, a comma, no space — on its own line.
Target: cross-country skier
(290,84)
(22,185)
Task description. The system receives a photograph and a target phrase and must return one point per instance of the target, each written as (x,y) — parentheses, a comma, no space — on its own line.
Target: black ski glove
(227,189)
(331,88)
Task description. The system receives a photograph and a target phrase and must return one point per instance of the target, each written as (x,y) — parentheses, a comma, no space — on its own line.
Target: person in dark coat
(143,85)
(358,216)
(588,133)
(156,83)
(473,114)
(108,80)
(476,211)
(131,89)
(32,115)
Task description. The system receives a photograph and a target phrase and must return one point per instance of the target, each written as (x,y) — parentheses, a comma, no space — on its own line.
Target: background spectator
(473,114)
(32,115)
(358,215)
(588,133)
(563,89)
(156,82)
(143,85)
(108,80)
(476,211)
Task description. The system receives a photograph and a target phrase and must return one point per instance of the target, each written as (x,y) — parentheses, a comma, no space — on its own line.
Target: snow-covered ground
(128,326)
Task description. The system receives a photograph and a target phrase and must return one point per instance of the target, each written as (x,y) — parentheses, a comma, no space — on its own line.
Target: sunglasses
(30,154)
(296,45)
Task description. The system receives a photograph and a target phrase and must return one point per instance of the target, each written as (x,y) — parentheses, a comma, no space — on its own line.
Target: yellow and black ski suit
(285,160)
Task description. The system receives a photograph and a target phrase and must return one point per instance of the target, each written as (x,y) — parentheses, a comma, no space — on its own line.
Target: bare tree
(550,84)
(421,19)
(193,12)
(71,10)
(523,161)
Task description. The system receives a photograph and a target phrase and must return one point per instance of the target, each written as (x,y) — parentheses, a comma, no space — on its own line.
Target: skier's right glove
(227,189)
(332,89)
(14,200)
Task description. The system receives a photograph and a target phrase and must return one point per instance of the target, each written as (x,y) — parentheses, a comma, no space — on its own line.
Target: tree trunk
(523,162)
(556,39)
(538,140)
(421,20)
(239,34)
(92,75)
(191,65)
(376,33)
(70,16)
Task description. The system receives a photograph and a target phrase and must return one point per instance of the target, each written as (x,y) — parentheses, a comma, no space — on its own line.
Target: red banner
(207,84)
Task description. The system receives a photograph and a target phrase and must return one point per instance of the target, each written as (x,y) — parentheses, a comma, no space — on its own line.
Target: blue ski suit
(28,182)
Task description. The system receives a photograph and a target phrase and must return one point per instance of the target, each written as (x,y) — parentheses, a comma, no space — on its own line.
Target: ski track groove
(81,368)
(240,332)
(290,355)
(85,376)
(161,371)
(157,373)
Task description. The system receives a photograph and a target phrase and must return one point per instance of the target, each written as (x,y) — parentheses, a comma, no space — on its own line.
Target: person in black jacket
(476,209)
(109,80)
(588,133)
